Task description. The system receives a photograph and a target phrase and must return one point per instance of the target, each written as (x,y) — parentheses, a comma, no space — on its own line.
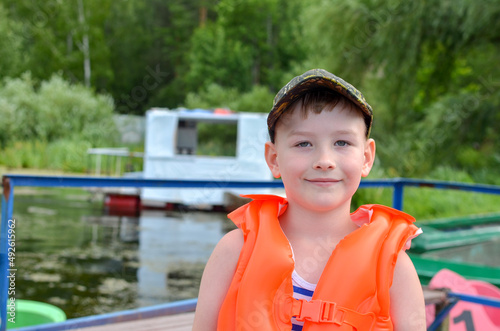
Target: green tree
(62,37)
(415,60)
(151,39)
(217,59)
(11,52)
(249,43)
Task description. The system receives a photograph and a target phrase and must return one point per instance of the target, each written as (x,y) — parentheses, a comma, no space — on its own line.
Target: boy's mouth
(323,180)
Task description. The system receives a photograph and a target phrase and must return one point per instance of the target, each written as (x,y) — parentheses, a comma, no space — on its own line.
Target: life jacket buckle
(319,311)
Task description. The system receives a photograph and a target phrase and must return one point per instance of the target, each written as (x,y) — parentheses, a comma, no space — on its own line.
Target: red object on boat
(223,111)
(122,204)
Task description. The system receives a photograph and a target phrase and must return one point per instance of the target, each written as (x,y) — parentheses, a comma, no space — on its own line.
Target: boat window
(205,138)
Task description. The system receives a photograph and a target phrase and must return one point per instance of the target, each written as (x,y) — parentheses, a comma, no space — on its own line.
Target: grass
(62,157)
(427,203)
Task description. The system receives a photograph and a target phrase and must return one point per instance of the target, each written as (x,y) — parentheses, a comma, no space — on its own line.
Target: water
(485,253)
(70,254)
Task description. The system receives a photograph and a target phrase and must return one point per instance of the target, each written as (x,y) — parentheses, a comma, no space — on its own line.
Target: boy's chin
(324,205)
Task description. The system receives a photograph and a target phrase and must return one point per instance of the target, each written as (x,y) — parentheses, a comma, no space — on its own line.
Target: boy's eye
(341,143)
(304,144)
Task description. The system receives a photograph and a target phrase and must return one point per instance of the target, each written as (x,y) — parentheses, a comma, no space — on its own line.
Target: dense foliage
(52,124)
(429,68)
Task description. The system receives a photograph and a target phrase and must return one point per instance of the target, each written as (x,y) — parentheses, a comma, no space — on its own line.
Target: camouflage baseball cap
(312,80)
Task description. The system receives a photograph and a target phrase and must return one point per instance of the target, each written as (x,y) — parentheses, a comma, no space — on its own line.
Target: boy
(349,272)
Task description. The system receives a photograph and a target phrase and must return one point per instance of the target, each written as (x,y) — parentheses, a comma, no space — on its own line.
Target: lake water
(71,254)
(485,253)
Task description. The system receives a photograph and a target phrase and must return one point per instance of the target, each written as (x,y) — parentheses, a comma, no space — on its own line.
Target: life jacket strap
(319,311)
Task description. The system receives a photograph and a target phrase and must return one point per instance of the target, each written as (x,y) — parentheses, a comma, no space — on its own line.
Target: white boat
(171,152)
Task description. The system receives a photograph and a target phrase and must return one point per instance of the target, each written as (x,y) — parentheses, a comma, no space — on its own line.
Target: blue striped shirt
(302,289)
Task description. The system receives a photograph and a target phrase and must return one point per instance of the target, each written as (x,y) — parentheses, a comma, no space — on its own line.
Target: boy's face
(321,158)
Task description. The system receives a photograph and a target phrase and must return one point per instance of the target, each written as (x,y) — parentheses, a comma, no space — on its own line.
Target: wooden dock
(184,321)
(178,322)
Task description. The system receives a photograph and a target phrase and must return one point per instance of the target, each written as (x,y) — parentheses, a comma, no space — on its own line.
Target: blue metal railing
(165,309)
(11,181)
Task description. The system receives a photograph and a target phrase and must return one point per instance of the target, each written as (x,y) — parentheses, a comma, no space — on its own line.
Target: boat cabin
(198,144)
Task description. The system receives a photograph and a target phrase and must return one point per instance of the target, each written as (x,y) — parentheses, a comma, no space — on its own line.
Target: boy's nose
(324,161)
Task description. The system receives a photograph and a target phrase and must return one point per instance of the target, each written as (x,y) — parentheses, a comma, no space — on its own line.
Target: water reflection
(170,247)
(71,255)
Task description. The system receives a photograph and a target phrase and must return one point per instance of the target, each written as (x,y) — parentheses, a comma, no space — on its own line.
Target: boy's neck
(317,224)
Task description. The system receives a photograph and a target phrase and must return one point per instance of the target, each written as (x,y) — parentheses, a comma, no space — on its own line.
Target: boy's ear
(369,157)
(272,159)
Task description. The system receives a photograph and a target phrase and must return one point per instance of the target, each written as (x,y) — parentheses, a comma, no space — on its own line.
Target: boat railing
(112,157)
(10,181)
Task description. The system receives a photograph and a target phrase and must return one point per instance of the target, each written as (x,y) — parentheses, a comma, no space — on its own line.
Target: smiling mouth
(323,180)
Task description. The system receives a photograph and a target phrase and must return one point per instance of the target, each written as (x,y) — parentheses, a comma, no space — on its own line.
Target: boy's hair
(315,85)
(316,102)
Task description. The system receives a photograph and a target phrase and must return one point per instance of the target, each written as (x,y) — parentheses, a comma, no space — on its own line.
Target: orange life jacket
(353,290)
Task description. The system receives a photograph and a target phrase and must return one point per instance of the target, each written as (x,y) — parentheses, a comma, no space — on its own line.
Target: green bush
(52,124)
(214,96)
(22,109)
(7,111)
(258,99)
(53,110)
